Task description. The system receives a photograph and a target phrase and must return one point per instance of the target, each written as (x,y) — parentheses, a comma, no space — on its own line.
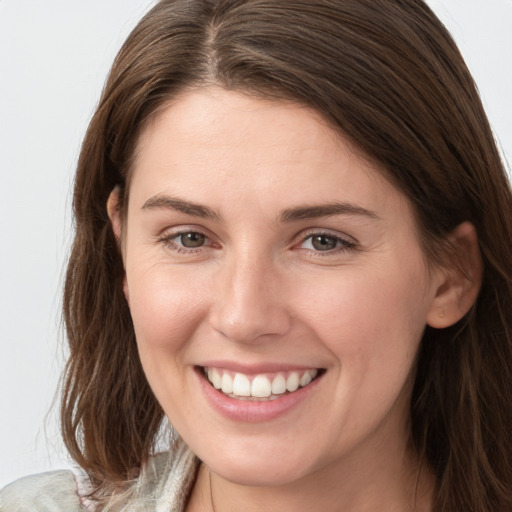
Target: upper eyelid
(172,231)
(327,232)
(176,234)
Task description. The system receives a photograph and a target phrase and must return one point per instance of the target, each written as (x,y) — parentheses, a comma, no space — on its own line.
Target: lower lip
(253,411)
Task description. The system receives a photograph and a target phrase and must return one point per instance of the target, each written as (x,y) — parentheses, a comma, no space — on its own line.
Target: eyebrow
(325,210)
(173,203)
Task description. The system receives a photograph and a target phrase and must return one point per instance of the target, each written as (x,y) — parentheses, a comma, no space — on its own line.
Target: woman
(293,240)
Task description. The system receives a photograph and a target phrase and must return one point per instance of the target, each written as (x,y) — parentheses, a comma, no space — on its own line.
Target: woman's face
(261,251)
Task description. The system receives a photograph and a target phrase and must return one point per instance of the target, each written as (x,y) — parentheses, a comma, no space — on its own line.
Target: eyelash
(341,244)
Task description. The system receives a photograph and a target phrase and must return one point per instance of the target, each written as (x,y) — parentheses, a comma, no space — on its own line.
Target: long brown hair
(387,74)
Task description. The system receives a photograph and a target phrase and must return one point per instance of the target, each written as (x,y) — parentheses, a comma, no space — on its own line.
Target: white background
(54,57)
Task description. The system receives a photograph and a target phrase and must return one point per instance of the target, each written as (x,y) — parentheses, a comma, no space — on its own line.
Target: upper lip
(253,369)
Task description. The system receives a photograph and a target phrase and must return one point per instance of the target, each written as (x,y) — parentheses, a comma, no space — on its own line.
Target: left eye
(324,242)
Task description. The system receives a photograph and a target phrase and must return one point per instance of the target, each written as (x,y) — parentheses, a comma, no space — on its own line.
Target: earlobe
(460,279)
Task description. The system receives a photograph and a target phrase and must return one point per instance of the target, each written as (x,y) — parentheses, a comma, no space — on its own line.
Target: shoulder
(164,484)
(54,491)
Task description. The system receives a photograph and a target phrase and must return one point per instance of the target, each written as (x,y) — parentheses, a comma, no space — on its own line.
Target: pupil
(192,240)
(324,242)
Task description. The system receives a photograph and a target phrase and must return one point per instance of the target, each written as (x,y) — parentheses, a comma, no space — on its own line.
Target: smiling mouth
(260,387)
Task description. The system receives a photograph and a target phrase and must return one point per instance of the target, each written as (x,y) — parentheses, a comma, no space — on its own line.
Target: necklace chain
(211,490)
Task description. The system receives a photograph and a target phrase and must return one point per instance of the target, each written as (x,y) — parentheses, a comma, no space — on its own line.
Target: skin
(257,291)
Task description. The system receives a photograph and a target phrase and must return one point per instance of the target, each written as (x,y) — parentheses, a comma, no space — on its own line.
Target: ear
(460,279)
(114,214)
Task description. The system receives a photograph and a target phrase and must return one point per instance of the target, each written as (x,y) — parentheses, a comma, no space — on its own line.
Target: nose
(250,303)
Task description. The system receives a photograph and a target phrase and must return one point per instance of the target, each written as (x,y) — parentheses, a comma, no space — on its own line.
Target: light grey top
(163,486)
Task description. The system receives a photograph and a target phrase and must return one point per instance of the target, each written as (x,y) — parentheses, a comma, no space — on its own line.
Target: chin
(257,467)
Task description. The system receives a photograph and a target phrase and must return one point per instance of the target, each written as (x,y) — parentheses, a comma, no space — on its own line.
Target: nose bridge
(249,304)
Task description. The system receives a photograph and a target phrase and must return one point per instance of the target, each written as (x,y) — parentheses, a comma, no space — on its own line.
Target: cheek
(368,304)
(165,308)
(372,324)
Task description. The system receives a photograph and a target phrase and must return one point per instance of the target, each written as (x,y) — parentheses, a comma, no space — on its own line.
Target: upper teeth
(261,385)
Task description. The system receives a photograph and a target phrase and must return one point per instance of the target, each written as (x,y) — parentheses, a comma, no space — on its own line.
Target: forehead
(219,146)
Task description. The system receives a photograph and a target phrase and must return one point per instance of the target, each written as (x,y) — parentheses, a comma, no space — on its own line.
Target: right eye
(185,241)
